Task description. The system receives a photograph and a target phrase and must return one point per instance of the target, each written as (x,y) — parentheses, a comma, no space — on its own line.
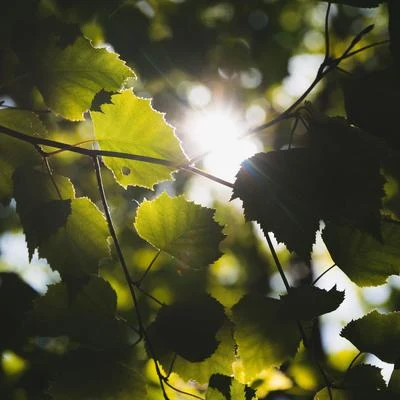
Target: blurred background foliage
(252,58)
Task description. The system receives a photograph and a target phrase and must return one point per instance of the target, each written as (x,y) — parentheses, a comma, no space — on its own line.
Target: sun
(218,131)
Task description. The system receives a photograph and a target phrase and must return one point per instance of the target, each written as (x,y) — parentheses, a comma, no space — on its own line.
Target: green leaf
(38,196)
(188,327)
(131,125)
(278,191)
(223,387)
(183,229)
(78,246)
(100,376)
(22,121)
(265,334)
(219,362)
(69,78)
(13,154)
(365,260)
(308,302)
(376,333)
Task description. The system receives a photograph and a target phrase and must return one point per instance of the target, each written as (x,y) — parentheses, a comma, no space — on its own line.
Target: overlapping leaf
(131,125)
(223,387)
(69,78)
(376,333)
(22,121)
(78,246)
(39,203)
(13,154)
(365,260)
(94,375)
(181,228)
(189,327)
(266,336)
(219,362)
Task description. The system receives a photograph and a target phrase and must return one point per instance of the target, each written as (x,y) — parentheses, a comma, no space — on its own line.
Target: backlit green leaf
(78,246)
(131,125)
(365,260)
(22,121)
(69,78)
(376,333)
(265,334)
(39,203)
(183,229)
(188,327)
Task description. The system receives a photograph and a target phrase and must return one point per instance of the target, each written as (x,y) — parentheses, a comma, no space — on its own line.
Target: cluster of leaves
(78,344)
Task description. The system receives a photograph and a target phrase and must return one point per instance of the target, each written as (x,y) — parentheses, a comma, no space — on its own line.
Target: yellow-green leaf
(131,125)
(69,78)
(23,121)
(181,228)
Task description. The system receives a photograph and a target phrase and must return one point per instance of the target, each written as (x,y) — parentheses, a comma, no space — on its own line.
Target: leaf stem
(320,276)
(154,259)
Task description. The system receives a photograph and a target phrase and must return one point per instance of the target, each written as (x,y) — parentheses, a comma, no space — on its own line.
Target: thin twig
(352,53)
(182,391)
(142,331)
(139,281)
(320,276)
(150,296)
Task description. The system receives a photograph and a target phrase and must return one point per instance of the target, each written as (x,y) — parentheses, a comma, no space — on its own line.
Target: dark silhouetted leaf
(219,362)
(376,333)
(370,103)
(278,191)
(94,375)
(181,228)
(16,299)
(348,180)
(365,260)
(308,302)
(87,316)
(223,387)
(39,204)
(189,327)
(265,334)
(364,377)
